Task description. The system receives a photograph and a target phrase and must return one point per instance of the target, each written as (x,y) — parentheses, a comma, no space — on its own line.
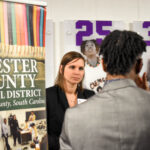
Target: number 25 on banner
(146,24)
(89,30)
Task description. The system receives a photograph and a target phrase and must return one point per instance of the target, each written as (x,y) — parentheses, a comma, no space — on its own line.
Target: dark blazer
(57,104)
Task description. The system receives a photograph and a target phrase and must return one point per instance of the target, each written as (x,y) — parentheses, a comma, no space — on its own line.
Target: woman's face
(90,48)
(74,71)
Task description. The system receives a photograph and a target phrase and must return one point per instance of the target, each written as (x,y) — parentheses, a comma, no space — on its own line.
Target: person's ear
(60,69)
(103,65)
(138,66)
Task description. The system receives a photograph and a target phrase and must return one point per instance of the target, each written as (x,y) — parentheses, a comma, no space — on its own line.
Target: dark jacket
(15,127)
(56,106)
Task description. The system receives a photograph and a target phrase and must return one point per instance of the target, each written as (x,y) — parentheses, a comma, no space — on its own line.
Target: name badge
(81,100)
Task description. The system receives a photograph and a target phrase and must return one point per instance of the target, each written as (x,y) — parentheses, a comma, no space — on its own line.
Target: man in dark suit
(119,116)
(15,130)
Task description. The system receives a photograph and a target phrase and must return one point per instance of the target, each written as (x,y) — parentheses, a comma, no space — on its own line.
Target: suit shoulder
(144,93)
(51,89)
(51,93)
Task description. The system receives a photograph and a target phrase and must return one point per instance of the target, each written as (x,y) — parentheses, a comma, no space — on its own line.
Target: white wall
(60,10)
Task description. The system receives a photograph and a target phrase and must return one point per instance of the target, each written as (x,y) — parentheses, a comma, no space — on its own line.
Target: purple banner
(146,24)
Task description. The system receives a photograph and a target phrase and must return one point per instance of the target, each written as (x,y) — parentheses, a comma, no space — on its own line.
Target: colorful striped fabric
(31,24)
(34,25)
(28,25)
(9,23)
(38,25)
(44,27)
(22,24)
(2,22)
(17,9)
(13,17)
(41,26)
(6,23)
(25,24)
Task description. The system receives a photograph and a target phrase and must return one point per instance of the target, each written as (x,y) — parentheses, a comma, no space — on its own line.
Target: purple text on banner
(146,24)
(100,31)
(87,32)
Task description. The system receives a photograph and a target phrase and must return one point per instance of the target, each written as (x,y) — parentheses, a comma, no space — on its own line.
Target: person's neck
(92,57)
(92,60)
(130,75)
(113,77)
(70,88)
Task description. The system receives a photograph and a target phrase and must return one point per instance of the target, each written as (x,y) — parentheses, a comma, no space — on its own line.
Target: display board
(76,32)
(39,114)
(22,71)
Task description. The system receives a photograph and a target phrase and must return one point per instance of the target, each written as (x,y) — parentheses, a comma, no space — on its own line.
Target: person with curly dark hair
(126,49)
(119,116)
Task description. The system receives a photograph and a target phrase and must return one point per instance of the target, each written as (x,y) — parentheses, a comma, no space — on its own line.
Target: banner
(77,34)
(22,75)
(76,31)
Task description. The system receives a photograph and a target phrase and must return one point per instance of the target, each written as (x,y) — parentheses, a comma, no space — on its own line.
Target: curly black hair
(120,50)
